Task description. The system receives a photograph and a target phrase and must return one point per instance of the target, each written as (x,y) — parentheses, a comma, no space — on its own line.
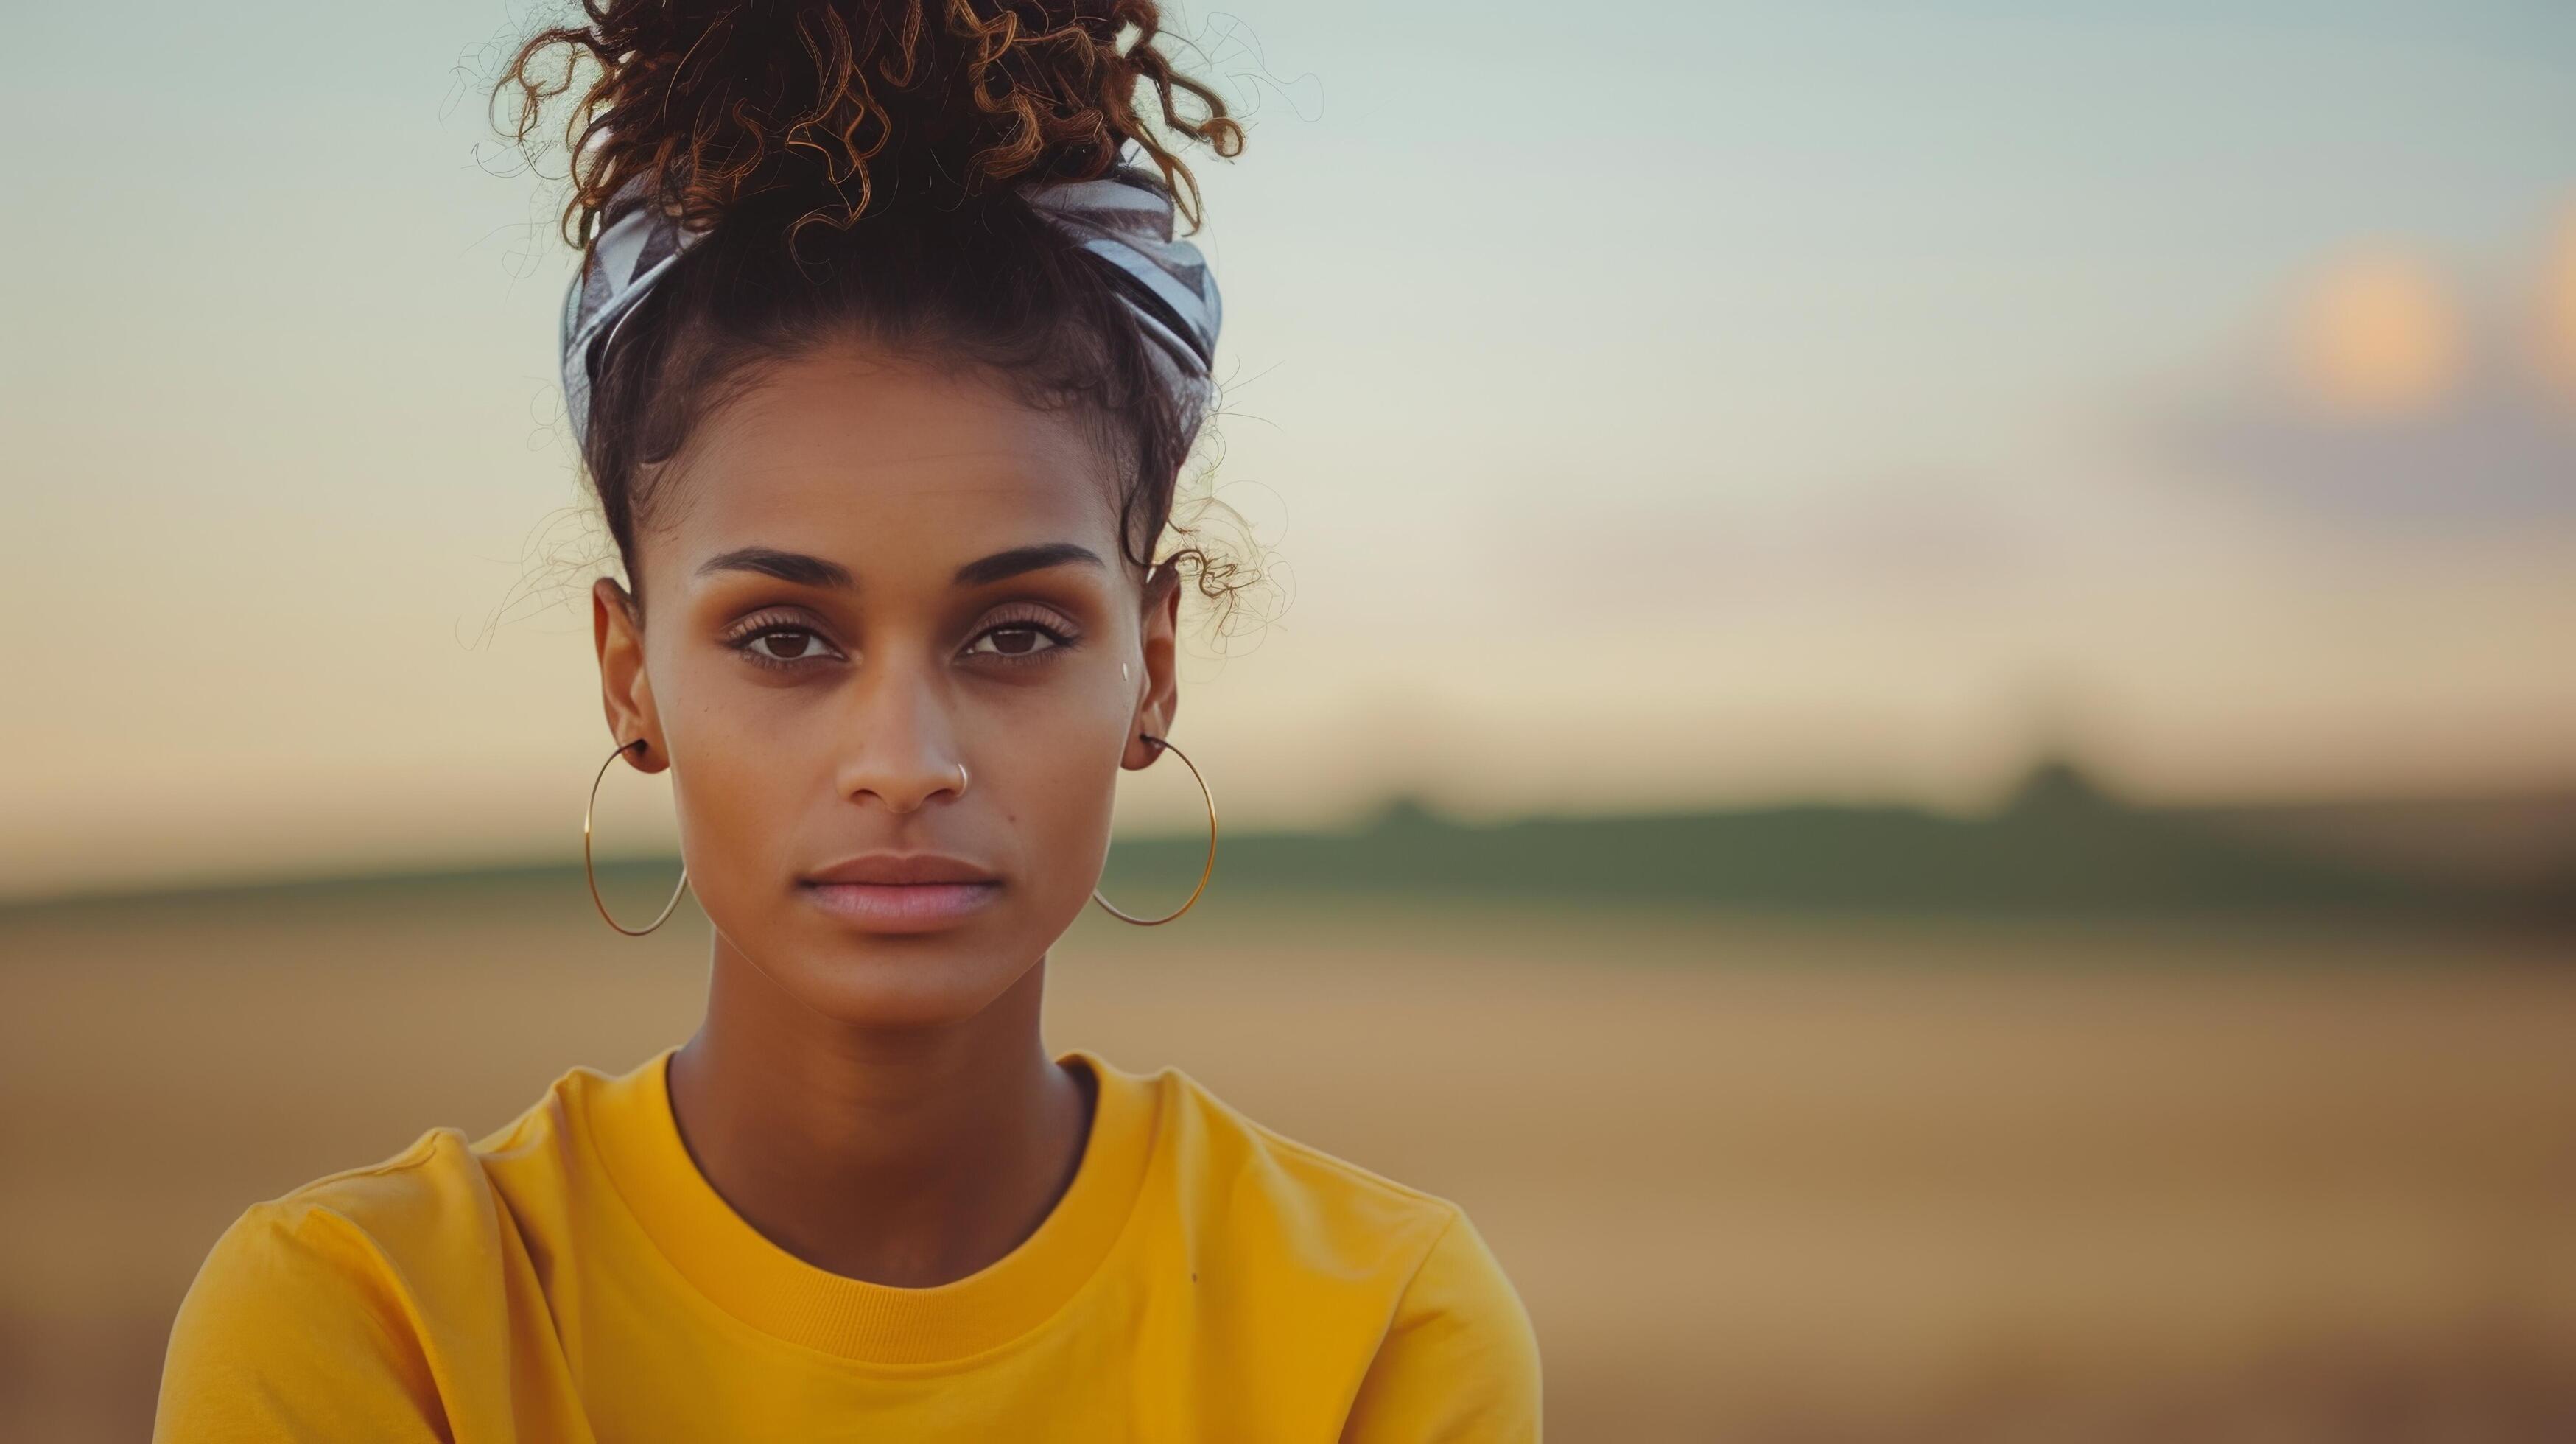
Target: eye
(1020,639)
(783,644)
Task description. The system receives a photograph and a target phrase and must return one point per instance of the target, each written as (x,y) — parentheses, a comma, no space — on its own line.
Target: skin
(881,1102)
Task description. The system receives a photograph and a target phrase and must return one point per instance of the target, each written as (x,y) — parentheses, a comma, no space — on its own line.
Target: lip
(891,892)
(900,868)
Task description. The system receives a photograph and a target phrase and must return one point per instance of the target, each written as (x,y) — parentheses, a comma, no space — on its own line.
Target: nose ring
(961,779)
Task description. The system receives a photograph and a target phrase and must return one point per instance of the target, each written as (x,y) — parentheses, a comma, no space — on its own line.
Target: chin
(908,981)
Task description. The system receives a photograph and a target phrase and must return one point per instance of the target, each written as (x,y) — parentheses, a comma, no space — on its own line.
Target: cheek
(741,778)
(1054,762)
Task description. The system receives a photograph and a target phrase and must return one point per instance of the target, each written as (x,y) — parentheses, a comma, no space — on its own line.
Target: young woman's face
(866,575)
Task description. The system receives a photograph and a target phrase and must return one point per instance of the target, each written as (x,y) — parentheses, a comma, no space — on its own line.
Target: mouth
(901,892)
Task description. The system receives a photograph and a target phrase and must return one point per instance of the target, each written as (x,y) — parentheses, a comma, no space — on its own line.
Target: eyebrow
(797,567)
(1025,559)
(812,571)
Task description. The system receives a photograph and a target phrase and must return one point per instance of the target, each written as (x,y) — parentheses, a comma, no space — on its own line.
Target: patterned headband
(1124,219)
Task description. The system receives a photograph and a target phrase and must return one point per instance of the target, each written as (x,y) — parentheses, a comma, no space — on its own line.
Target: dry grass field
(1758,1179)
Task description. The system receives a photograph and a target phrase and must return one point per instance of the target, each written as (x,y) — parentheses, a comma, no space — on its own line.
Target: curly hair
(853,166)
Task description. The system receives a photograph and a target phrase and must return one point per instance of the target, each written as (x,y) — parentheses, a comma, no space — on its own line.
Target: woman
(884,359)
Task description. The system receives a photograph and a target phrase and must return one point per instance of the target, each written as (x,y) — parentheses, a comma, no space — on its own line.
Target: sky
(1708,404)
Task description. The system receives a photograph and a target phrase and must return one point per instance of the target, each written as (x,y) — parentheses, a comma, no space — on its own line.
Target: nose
(901,739)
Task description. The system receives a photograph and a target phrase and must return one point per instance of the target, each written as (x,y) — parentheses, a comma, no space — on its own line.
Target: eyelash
(1029,619)
(752,629)
(1044,623)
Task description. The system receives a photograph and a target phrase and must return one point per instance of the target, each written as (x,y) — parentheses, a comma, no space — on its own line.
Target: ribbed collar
(738,1268)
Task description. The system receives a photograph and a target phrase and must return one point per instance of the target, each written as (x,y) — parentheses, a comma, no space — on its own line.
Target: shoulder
(298,1324)
(1460,1358)
(307,1316)
(1226,1160)
(443,1193)
(350,1227)
(449,1187)
(1456,1356)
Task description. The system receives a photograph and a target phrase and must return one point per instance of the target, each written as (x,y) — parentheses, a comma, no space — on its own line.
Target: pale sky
(1738,403)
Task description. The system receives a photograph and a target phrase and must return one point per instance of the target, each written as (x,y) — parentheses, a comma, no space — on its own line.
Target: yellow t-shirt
(573,1277)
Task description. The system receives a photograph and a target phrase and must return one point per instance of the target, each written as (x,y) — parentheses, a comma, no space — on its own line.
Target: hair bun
(845,107)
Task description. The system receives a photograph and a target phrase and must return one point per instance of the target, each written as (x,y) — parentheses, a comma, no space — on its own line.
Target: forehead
(898,470)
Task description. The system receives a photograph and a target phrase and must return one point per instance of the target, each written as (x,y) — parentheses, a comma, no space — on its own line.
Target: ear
(1160,696)
(617,628)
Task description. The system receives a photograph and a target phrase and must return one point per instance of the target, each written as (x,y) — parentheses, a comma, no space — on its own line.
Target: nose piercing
(961,779)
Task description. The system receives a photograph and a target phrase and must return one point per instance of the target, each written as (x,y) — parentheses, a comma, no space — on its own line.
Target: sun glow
(2378,334)
(2558,308)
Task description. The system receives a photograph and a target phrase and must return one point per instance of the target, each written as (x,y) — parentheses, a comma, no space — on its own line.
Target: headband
(1122,219)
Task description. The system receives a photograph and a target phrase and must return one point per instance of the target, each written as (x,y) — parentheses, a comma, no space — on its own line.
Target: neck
(910,1157)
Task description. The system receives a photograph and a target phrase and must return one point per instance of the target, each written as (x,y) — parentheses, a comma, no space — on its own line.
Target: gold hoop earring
(591,877)
(1161,745)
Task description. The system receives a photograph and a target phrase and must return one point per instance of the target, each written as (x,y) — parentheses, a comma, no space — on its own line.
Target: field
(1758,1178)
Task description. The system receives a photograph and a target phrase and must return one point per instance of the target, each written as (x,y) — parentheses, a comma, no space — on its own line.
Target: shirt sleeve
(1459,1363)
(289,1334)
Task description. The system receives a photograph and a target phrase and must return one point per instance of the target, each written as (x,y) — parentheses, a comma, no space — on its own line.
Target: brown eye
(1013,641)
(774,645)
(1017,641)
